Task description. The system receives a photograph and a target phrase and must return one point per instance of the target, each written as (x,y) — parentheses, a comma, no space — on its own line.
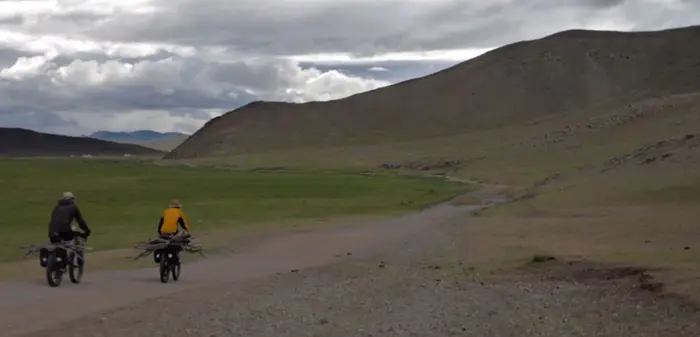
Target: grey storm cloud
(86,66)
(45,121)
(366,27)
(9,56)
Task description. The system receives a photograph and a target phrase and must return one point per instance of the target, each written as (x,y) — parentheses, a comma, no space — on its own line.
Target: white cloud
(24,67)
(378,69)
(330,85)
(456,55)
(53,45)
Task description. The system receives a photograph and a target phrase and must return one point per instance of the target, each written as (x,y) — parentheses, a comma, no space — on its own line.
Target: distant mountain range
(162,141)
(136,136)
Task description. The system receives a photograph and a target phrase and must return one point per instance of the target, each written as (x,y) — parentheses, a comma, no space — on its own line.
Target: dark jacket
(63,215)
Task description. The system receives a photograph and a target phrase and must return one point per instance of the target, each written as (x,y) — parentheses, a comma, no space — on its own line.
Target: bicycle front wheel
(75,268)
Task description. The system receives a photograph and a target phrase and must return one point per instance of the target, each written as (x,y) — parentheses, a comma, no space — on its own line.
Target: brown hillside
(568,73)
(16,142)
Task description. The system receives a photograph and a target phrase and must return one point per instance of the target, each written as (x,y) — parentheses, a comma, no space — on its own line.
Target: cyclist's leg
(44,253)
(68,236)
(176,254)
(158,253)
(62,253)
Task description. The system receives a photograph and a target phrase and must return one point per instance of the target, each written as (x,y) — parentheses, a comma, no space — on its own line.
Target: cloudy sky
(76,66)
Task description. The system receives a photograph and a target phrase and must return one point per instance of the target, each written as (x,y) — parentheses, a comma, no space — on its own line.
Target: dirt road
(24,306)
(375,279)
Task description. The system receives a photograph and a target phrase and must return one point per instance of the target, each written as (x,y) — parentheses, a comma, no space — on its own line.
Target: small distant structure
(87,156)
(127,155)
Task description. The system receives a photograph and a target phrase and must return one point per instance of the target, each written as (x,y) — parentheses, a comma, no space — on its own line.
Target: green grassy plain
(122,199)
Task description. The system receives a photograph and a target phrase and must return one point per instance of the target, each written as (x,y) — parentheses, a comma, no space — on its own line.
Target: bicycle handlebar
(80,235)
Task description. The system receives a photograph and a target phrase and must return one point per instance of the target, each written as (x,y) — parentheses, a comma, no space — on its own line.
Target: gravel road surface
(27,307)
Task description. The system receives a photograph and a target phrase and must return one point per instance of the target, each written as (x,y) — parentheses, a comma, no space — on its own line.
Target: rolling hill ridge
(572,73)
(16,142)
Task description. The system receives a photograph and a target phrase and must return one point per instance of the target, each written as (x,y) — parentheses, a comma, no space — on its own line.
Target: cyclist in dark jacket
(60,225)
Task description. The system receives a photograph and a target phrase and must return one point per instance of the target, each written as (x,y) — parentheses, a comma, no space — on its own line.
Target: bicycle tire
(75,269)
(176,270)
(164,269)
(54,276)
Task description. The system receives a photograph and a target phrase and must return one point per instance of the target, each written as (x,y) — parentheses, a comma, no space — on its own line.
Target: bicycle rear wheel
(164,269)
(54,274)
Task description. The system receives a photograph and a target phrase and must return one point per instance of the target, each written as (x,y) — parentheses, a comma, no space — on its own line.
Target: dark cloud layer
(365,27)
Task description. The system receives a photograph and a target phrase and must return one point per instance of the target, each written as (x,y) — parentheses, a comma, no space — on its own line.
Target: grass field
(122,200)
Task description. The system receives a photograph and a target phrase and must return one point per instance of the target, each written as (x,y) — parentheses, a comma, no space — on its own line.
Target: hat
(175,203)
(68,195)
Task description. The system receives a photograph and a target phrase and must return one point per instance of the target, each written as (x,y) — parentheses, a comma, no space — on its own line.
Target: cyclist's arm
(183,222)
(160,226)
(81,221)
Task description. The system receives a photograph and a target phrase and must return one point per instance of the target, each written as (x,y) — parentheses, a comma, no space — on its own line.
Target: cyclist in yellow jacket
(172,220)
(170,223)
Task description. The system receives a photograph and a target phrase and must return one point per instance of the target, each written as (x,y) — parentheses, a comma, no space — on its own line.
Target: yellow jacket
(172,217)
